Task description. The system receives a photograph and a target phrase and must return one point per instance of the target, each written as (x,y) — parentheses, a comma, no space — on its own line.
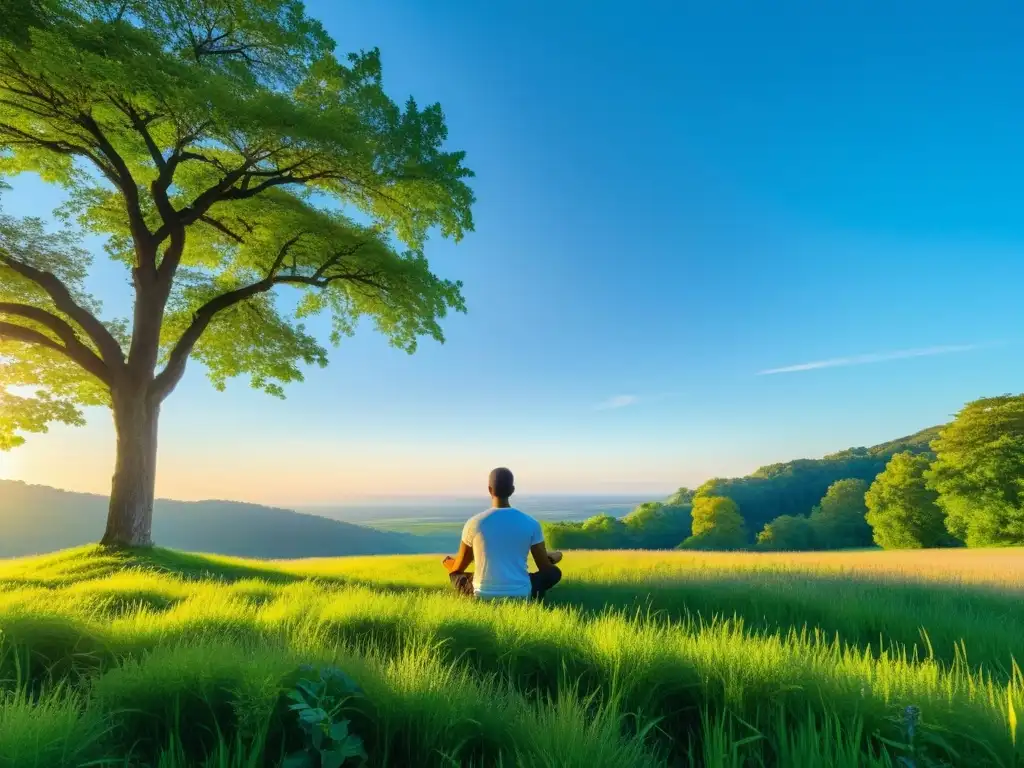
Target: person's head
(501,484)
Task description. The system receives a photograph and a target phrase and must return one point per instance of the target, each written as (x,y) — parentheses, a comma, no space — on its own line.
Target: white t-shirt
(501,539)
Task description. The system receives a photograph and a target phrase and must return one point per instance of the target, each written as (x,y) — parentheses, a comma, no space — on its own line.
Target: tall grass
(173,660)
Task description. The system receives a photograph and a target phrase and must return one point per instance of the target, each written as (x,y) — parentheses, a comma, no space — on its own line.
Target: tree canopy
(969,490)
(787,533)
(652,525)
(225,154)
(839,519)
(717,524)
(795,487)
(902,510)
(979,472)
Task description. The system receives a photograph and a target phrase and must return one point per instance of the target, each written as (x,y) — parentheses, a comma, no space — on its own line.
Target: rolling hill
(794,487)
(36,519)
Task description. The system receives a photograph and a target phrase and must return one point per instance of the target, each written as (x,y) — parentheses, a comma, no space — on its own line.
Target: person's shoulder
(475,519)
(471,527)
(526,518)
(478,518)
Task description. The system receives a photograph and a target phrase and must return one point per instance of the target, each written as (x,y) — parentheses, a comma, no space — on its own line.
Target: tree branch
(225,189)
(221,227)
(165,168)
(73,346)
(109,348)
(19,136)
(124,181)
(27,335)
(168,378)
(203,202)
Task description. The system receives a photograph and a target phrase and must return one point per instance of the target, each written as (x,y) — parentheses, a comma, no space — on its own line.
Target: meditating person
(498,542)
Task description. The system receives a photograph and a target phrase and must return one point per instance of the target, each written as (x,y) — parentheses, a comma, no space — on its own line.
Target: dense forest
(795,487)
(955,485)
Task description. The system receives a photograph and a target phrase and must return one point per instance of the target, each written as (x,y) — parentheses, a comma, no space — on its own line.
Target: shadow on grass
(864,612)
(867,612)
(873,612)
(200,567)
(198,694)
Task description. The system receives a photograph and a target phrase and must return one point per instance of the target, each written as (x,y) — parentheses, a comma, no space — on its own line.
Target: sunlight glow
(8,466)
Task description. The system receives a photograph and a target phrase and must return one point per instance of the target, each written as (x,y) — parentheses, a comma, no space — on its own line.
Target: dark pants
(540,582)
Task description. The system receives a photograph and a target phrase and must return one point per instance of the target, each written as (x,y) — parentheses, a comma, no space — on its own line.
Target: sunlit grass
(987,567)
(172,659)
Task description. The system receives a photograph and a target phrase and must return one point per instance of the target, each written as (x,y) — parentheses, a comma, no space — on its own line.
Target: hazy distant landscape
(37,519)
(443,518)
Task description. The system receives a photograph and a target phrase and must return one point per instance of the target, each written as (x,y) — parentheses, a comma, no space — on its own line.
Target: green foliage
(902,510)
(917,745)
(979,472)
(795,487)
(654,525)
(320,699)
(717,539)
(717,524)
(681,498)
(715,513)
(52,387)
(604,525)
(644,515)
(226,154)
(839,520)
(792,533)
(570,535)
(651,525)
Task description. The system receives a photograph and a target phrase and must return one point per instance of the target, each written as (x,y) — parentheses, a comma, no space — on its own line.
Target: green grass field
(638,659)
(418,527)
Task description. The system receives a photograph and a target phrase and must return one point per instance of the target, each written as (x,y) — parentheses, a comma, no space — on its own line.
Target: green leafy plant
(918,742)
(320,699)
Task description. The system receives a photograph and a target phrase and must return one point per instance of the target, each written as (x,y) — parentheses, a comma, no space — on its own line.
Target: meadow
(161,658)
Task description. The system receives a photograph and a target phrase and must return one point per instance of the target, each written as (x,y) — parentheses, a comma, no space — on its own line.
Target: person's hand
(448,562)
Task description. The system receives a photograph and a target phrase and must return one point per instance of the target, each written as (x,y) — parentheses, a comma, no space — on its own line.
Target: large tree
(657,525)
(717,524)
(979,472)
(902,510)
(787,533)
(225,154)
(838,521)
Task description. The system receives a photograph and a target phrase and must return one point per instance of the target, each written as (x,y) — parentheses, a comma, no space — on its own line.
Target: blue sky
(671,202)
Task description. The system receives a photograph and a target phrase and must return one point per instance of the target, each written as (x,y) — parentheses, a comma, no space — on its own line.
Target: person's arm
(541,557)
(461,561)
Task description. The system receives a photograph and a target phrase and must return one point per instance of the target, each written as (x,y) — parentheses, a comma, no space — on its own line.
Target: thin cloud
(878,357)
(619,401)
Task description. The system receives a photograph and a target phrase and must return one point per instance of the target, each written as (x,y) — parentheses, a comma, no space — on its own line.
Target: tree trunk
(130,516)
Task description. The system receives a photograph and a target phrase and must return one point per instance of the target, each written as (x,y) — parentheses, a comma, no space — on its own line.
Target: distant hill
(794,487)
(36,519)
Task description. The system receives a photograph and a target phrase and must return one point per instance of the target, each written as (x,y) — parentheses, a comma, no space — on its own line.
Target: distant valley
(36,519)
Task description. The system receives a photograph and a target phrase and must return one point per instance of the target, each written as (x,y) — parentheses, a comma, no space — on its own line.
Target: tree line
(958,485)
